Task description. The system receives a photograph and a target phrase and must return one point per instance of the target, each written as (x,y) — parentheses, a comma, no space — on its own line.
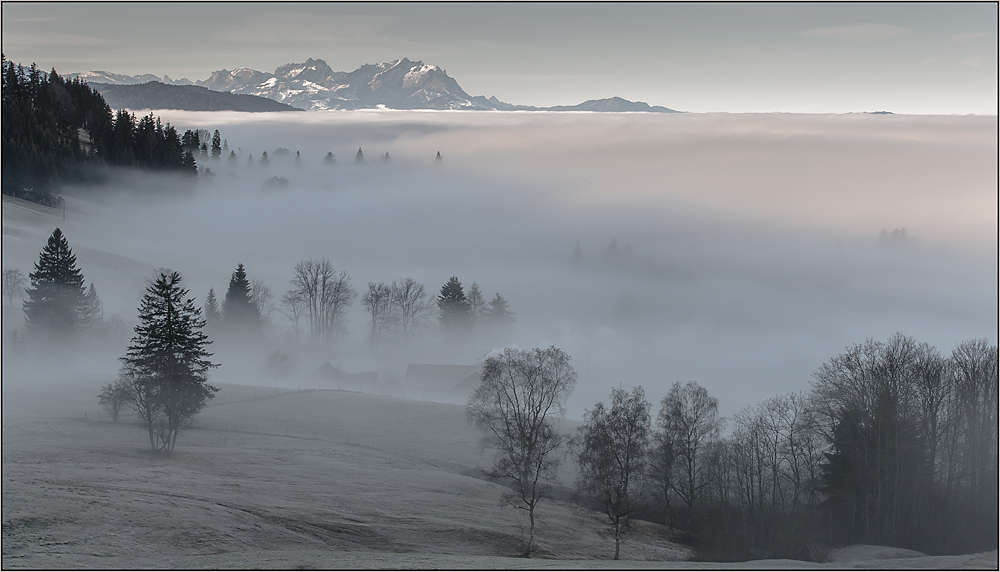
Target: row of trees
(462,315)
(895,444)
(321,296)
(57,303)
(56,130)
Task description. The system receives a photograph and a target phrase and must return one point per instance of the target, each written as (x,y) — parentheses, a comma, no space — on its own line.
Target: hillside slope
(157,95)
(273,472)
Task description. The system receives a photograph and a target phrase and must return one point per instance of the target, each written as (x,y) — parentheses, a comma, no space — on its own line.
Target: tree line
(894,444)
(58,131)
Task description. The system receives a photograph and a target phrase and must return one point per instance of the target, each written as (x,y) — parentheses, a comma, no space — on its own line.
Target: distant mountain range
(313,85)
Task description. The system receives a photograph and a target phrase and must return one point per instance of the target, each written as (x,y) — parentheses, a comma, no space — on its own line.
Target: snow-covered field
(276,479)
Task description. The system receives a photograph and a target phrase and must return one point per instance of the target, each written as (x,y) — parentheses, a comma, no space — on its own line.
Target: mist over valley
(364,319)
(753,237)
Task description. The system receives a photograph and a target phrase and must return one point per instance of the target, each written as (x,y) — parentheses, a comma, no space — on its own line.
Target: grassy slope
(357,475)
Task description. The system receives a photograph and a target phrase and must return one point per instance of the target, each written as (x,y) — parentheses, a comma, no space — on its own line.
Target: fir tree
(216,145)
(212,314)
(167,362)
(477,304)
(239,312)
(456,314)
(56,301)
(498,315)
(93,308)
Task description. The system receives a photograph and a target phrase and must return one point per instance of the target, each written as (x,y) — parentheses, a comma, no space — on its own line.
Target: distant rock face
(400,84)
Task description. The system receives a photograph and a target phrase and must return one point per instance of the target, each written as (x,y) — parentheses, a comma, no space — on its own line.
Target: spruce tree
(167,362)
(477,305)
(239,313)
(216,145)
(56,303)
(456,314)
(93,308)
(212,314)
(498,314)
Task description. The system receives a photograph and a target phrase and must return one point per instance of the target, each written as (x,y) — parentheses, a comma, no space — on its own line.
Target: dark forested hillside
(58,131)
(158,95)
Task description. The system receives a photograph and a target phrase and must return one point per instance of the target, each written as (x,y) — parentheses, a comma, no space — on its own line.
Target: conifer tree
(216,145)
(93,308)
(167,362)
(456,314)
(477,304)
(212,314)
(56,301)
(239,312)
(498,314)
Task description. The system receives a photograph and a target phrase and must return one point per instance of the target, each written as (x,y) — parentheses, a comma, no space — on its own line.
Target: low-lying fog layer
(741,251)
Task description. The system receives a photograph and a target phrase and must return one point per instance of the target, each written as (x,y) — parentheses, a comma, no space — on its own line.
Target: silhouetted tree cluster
(240,316)
(461,315)
(895,444)
(56,130)
(399,308)
(323,295)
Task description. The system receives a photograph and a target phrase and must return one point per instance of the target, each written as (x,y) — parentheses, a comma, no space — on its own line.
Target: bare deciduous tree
(263,298)
(117,396)
(410,300)
(293,305)
(378,301)
(612,445)
(326,294)
(13,283)
(689,416)
(521,394)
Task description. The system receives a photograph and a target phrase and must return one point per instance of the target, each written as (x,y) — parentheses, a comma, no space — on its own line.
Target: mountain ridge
(159,95)
(398,84)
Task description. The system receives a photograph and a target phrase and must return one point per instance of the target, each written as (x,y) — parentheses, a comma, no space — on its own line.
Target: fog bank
(740,251)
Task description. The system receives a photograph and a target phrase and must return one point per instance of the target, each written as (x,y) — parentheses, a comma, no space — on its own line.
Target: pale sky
(918,58)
